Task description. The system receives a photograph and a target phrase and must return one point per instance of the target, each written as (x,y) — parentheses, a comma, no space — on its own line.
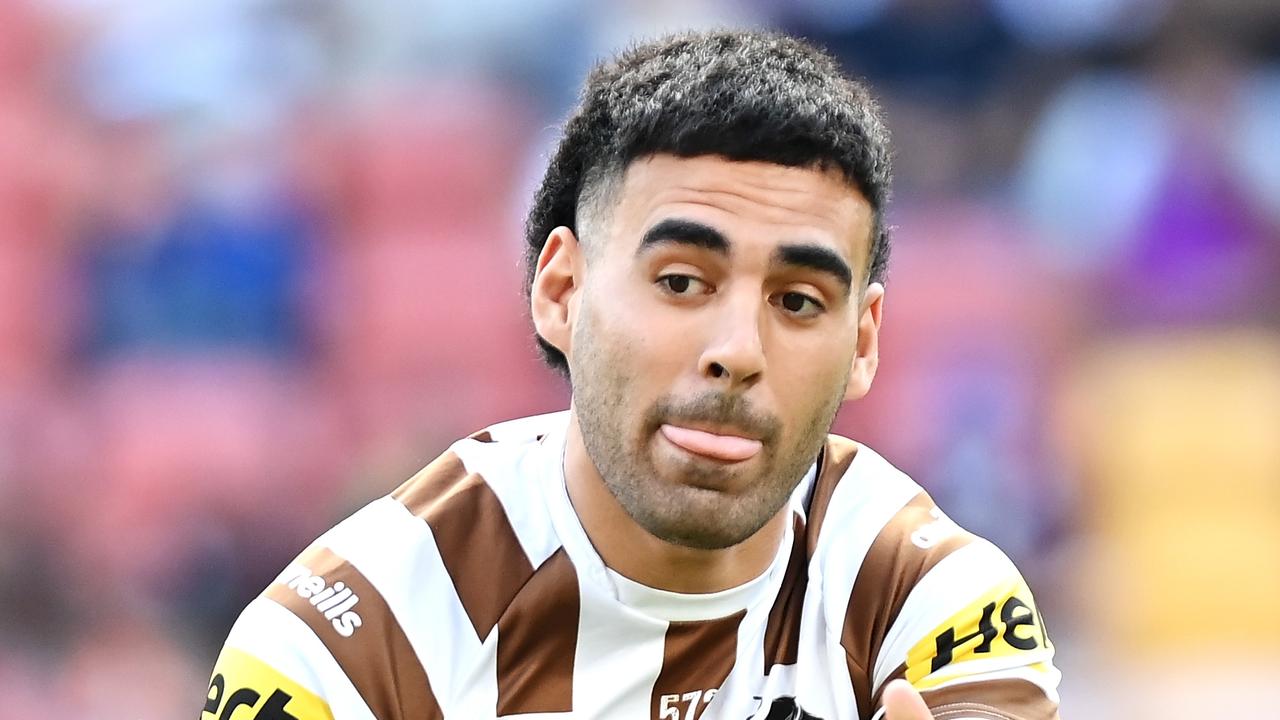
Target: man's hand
(902,702)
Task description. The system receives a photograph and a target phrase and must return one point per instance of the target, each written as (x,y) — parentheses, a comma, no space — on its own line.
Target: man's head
(705,262)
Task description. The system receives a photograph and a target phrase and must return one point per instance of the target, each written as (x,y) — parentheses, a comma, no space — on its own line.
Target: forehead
(746,200)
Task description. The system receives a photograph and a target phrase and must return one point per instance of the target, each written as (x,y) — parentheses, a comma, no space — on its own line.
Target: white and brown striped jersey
(472,591)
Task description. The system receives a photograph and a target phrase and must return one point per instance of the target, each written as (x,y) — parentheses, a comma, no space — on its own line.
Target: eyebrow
(679,231)
(817,257)
(676,231)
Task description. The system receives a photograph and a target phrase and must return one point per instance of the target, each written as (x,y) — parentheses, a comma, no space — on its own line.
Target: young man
(706,264)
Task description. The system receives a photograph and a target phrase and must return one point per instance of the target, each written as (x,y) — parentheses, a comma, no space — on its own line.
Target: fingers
(902,702)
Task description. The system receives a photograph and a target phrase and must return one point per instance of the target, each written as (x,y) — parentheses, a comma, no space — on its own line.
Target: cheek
(618,356)
(642,332)
(807,387)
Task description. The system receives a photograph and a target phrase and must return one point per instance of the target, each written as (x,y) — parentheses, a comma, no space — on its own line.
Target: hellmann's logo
(336,602)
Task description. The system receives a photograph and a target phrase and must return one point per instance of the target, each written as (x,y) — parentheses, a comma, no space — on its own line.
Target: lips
(729,448)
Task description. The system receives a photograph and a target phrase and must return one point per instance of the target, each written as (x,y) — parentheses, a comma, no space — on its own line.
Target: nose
(734,357)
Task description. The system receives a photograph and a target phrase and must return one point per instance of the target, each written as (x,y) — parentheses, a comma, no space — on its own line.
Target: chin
(697,523)
(699,538)
(704,475)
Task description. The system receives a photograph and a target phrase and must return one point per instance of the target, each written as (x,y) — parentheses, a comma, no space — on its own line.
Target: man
(706,263)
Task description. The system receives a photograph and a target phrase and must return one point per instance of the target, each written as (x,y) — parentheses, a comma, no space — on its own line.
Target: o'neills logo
(336,602)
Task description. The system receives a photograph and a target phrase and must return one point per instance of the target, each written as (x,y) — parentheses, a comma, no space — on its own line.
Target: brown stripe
(375,654)
(1004,699)
(782,632)
(837,455)
(461,509)
(537,640)
(697,657)
(482,436)
(892,566)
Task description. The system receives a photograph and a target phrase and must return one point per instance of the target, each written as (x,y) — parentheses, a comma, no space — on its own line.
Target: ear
(867,356)
(556,281)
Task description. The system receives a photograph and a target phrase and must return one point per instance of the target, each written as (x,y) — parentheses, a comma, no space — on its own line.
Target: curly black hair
(739,94)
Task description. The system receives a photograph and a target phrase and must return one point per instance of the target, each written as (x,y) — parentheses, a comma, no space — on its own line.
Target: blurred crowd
(259,261)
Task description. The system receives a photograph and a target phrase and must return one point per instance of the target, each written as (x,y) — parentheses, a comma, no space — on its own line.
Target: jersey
(473,591)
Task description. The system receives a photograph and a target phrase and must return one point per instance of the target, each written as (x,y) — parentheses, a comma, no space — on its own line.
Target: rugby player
(706,264)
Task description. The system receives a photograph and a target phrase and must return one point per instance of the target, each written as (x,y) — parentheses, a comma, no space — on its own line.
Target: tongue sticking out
(721,447)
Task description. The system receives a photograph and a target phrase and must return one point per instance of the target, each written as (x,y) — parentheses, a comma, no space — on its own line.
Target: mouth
(722,446)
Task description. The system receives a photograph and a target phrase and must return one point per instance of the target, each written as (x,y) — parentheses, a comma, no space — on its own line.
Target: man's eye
(680,284)
(800,304)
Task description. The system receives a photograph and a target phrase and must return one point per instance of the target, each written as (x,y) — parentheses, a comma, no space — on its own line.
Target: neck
(633,551)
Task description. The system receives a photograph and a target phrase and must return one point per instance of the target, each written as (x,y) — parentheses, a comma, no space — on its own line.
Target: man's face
(713,336)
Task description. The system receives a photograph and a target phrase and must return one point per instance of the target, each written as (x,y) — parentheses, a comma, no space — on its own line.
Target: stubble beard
(683,511)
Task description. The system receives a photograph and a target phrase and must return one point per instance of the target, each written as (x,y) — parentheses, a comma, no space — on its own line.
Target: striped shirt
(472,591)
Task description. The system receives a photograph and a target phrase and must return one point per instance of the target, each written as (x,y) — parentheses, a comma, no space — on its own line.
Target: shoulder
(912,593)
(473,513)
(489,485)
(484,485)
(413,584)
(877,537)
(863,508)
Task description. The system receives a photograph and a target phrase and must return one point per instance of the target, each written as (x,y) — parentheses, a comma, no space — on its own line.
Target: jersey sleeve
(939,606)
(320,643)
(970,638)
(273,667)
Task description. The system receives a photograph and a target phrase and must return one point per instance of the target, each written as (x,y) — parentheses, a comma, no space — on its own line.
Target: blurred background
(259,261)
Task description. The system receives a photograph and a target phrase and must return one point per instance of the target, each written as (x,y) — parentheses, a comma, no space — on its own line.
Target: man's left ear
(867,356)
